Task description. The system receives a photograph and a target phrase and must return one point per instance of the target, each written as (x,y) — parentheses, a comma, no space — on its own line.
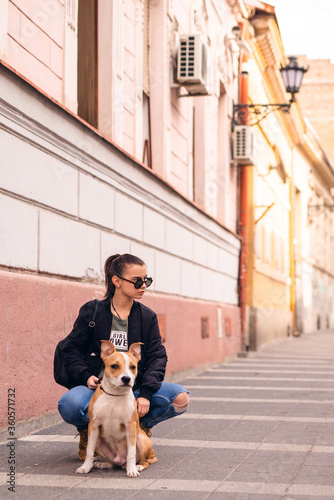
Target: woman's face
(132,273)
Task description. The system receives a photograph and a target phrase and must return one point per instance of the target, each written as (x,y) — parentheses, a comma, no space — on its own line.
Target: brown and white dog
(114,430)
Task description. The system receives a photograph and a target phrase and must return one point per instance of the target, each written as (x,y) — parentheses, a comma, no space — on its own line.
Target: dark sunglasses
(139,282)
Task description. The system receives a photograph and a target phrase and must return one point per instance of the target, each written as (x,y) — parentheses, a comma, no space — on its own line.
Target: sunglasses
(139,282)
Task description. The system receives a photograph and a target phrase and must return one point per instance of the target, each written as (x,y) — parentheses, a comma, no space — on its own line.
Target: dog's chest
(113,413)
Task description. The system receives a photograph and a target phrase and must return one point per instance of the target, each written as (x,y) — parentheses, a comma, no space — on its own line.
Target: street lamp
(292,75)
(252,114)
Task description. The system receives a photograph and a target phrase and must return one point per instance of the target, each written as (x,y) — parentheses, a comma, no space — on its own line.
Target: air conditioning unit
(193,64)
(243,145)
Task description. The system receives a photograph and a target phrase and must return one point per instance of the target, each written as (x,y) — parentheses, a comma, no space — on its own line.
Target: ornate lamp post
(292,75)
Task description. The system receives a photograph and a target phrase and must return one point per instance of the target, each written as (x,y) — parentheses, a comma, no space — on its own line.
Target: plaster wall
(269,318)
(313,248)
(191,135)
(35,43)
(40,311)
(269,315)
(40,40)
(267,325)
(70,200)
(316,100)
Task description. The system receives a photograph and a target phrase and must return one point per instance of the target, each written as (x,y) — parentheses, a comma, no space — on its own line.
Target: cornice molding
(238,7)
(270,56)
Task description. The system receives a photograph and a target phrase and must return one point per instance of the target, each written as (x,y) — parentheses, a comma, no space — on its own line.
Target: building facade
(104,151)
(289,262)
(269,314)
(316,99)
(313,237)
(317,272)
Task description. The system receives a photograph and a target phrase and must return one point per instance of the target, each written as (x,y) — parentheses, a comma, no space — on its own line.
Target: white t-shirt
(119,334)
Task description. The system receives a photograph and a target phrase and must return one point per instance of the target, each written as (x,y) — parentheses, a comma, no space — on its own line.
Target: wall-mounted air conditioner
(193,64)
(243,145)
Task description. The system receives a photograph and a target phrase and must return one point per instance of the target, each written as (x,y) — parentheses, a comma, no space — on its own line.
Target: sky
(307,27)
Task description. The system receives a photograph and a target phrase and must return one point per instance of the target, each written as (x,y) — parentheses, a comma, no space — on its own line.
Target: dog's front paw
(103,465)
(83,469)
(132,472)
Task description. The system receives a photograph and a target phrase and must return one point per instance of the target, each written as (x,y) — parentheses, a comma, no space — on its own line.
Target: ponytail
(115,266)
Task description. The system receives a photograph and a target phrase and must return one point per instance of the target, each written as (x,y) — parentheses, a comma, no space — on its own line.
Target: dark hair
(115,266)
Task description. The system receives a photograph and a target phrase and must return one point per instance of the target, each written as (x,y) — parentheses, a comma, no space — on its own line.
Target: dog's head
(120,367)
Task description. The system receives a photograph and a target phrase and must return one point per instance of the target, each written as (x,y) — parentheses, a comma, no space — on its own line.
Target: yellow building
(281,292)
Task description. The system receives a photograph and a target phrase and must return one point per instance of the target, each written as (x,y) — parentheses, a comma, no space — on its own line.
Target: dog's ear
(107,348)
(135,350)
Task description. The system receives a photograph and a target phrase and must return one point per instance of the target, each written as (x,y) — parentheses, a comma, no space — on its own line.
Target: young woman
(123,321)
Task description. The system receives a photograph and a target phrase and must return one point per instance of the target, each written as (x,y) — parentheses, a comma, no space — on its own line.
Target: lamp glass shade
(292,75)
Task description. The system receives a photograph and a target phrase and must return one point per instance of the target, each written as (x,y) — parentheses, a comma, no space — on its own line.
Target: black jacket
(82,352)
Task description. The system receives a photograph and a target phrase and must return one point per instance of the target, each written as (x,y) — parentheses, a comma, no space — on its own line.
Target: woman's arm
(75,352)
(155,361)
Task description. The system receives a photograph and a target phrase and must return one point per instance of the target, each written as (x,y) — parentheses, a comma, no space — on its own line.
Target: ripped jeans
(73,405)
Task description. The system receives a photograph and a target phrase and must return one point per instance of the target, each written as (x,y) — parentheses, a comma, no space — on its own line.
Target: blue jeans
(73,405)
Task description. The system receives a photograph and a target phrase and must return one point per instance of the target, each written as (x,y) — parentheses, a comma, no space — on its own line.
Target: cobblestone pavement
(260,428)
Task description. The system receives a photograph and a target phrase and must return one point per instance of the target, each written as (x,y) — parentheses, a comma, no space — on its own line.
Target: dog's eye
(114,367)
(132,367)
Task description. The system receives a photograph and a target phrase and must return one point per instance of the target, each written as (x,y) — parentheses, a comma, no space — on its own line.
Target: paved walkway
(260,428)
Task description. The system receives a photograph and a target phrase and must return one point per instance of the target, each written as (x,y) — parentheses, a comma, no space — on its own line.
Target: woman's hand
(93,382)
(143,406)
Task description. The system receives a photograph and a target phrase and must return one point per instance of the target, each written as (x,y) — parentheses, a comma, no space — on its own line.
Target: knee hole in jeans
(181,402)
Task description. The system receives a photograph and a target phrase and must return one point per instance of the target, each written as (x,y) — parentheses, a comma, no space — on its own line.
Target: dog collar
(110,394)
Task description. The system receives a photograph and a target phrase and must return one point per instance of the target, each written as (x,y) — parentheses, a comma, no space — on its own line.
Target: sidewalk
(260,428)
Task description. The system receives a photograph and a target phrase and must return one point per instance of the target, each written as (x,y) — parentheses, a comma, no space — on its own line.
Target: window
(87,61)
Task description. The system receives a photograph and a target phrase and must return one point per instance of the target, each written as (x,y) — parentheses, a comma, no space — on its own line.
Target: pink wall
(35,43)
(37,312)
(181,143)
(184,343)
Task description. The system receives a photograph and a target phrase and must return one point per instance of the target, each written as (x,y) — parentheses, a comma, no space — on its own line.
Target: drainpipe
(243,218)
(292,250)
